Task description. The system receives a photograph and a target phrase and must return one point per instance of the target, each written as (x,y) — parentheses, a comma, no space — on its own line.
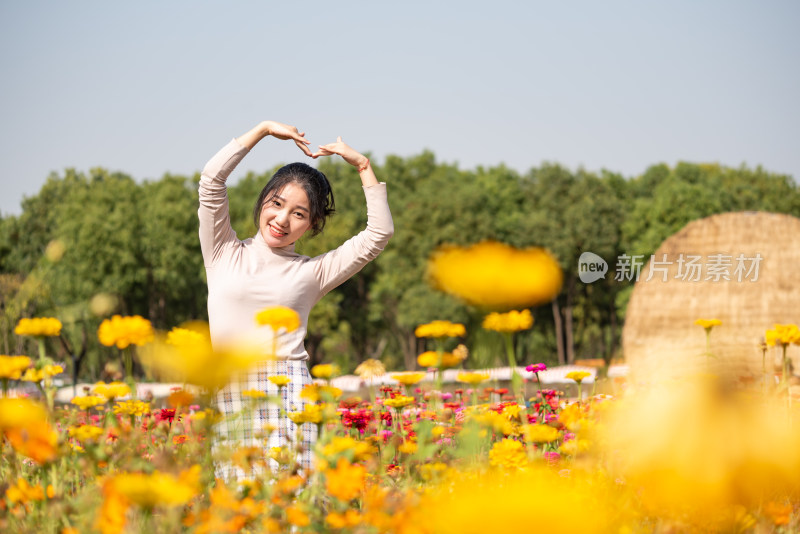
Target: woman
(246,276)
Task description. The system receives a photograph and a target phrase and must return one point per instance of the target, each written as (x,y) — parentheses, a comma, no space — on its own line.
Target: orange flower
(346,481)
(37,441)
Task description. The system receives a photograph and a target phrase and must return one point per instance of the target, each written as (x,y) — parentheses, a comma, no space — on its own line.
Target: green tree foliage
(137,242)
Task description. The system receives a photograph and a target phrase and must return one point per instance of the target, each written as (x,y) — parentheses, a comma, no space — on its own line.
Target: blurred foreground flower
(408,379)
(442,360)
(325,371)
(11,367)
(38,326)
(187,356)
(24,423)
(125,331)
(277,317)
(493,275)
(158,489)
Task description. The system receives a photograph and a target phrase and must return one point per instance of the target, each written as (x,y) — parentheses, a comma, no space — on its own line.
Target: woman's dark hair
(314,183)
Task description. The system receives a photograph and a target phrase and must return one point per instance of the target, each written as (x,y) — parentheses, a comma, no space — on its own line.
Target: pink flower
(552,457)
(536,368)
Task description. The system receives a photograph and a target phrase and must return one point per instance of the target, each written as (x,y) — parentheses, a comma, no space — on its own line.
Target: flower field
(693,454)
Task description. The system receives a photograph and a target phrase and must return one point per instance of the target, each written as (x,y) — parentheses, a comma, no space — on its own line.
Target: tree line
(94,243)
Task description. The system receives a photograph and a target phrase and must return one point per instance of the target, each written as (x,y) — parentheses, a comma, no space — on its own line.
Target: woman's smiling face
(285,216)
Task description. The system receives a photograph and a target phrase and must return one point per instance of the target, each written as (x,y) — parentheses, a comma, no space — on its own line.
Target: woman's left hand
(348,154)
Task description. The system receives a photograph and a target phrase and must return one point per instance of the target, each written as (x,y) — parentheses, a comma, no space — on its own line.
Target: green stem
(41,349)
(516,379)
(785,377)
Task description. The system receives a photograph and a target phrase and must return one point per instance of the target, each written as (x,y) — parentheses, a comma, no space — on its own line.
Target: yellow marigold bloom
(132,407)
(494,421)
(431,359)
(325,370)
(345,444)
(351,518)
(279,380)
(540,433)
(408,447)
(186,355)
(370,368)
(312,413)
(90,401)
(254,394)
(496,276)
(277,317)
(86,433)
(783,334)
(125,331)
(45,373)
(159,489)
(508,454)
(511,411)
(408,379)
(38,441)
(112,390)
(440,329)
(19,412)
(38,326)
(708,324)
(12,366)
(401,401)
(574,447)
(22,492)
(578,376)
(297,517)
(318,392)
(472,378)
(280,454)
(513,321)
(346,481)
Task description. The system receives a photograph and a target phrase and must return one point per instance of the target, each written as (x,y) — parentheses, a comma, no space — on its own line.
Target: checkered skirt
(245,427)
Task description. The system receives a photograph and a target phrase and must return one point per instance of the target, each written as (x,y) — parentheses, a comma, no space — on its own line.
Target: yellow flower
(401,401)
(540,433)
(496,276)
(277,317)
(407,447)
(346,481)
(19,413)
(86,433)
(708,324)
(318,392)
(494,421)
(279,380)
(578,376)
(132,407)
(370,368)
(574,446)
(513,321)
(22,492)
(408,379)
(325,370)
(783,334)
(472,378)
(312,413)
(508,454)
(125,331)
(45,373)
(360,450)
(112,390)
(511,411)
(448,359)
(38,326)
(89,401)
(12,366)
(254,394)
(440,329)
(186,355)
(159,489)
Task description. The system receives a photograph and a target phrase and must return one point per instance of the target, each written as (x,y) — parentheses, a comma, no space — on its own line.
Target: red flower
(166,414)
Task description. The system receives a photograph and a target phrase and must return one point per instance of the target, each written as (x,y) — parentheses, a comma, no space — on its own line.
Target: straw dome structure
(740,268)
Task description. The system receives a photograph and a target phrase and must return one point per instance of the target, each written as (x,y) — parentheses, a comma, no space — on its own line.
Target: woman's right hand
(277,130)
(284,132)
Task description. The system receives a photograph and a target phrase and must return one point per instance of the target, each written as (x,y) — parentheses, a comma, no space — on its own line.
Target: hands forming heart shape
(284,131)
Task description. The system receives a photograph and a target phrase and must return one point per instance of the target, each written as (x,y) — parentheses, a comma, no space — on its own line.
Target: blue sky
(152,87)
